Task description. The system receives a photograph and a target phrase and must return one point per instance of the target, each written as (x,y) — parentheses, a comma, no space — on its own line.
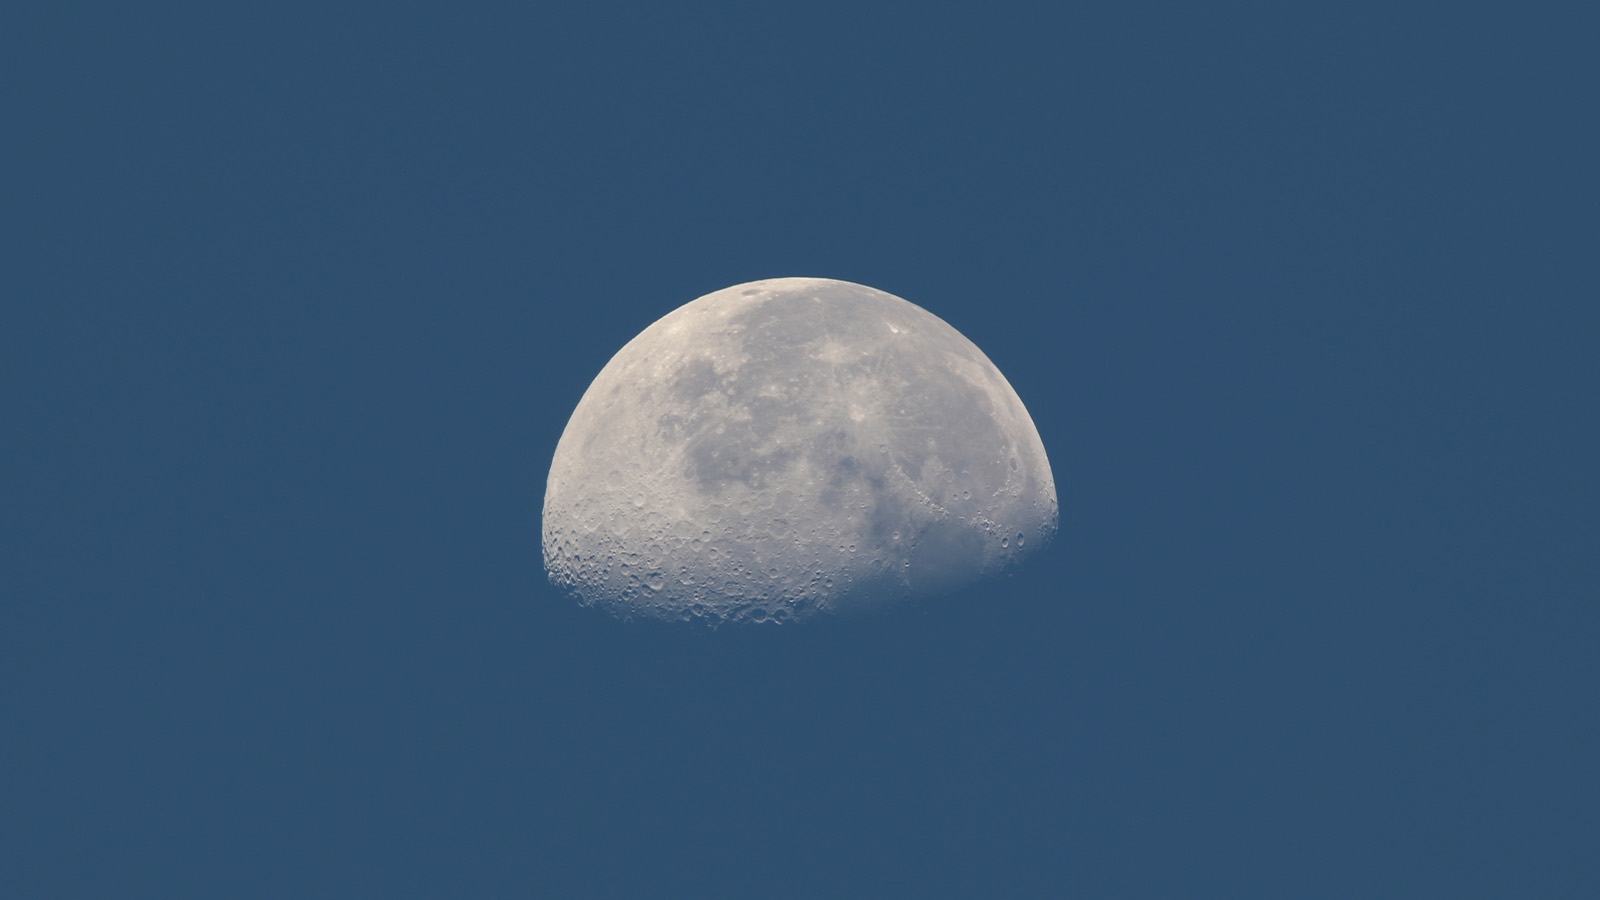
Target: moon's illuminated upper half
(792,446)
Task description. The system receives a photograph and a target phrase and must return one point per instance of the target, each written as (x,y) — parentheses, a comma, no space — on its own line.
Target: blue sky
(1301,299)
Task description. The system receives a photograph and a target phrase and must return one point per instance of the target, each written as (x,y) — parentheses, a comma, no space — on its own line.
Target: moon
(788,447)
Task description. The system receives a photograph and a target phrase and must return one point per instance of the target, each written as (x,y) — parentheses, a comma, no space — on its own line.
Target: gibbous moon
(787,447)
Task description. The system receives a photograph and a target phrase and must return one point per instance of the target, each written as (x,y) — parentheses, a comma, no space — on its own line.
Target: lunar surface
(787,447)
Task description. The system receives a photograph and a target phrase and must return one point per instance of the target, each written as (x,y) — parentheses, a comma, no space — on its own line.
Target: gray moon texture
(789,447)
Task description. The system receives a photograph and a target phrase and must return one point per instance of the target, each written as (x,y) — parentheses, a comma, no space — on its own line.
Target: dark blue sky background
(295,302)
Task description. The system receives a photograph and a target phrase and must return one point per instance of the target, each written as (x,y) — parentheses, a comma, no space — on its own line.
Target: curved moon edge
(789,447)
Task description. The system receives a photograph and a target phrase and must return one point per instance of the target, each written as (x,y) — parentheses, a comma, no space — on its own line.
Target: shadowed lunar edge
(790,446)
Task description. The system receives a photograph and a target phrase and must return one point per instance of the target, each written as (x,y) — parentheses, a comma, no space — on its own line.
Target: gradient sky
(295,302)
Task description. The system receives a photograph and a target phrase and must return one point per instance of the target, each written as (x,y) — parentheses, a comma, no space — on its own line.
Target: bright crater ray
(792,446)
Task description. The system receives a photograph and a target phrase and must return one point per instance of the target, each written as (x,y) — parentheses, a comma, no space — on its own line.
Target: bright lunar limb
(787,447)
